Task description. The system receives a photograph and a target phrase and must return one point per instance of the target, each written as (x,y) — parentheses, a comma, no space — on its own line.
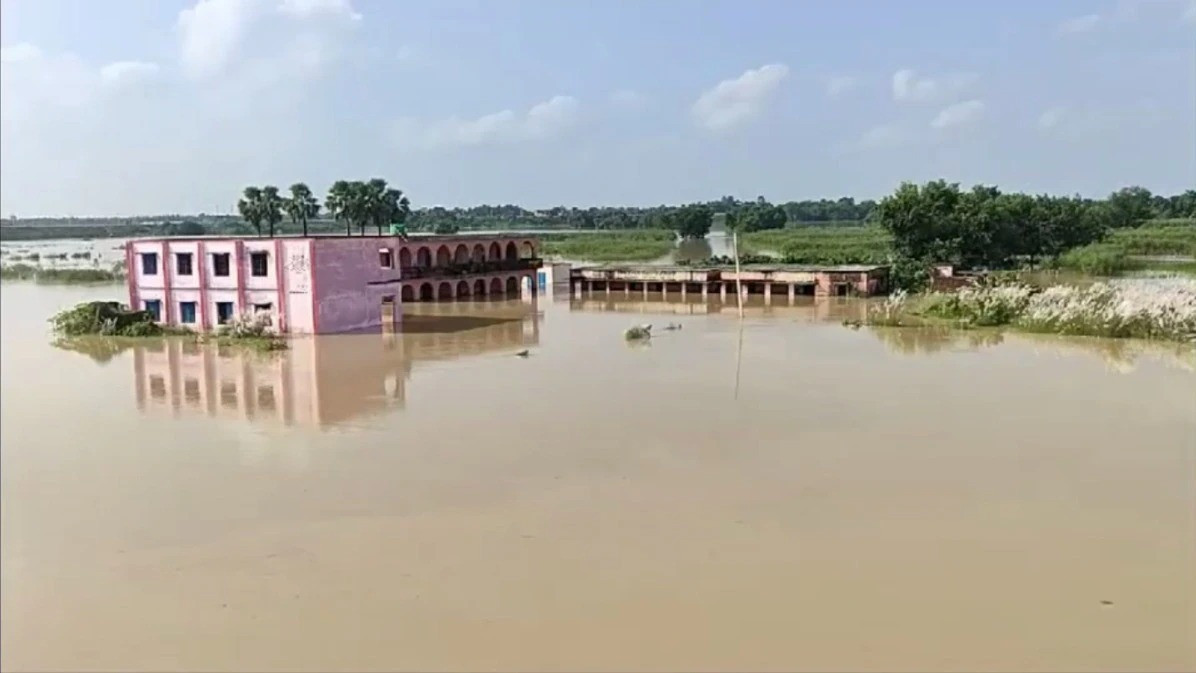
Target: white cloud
(958,114)
(1051,118)
(627,98)
(543,120)
(215,35)
(908,87)
(840,84)
(1080,24)
(882,137)
(19,52)
(735,101)
(126,71)
(1084,122)
(314,8)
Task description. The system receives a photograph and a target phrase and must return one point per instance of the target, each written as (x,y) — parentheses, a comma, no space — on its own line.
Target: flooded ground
(793,496)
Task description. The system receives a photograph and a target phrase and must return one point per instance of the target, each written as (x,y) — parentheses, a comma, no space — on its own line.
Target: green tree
(338,203)
(761,216)
(302,205)
(692,221)
(271,205)
(250,208)
(923,220)
(1129,206)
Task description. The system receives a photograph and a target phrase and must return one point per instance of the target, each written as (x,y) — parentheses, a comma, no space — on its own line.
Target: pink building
(320,284)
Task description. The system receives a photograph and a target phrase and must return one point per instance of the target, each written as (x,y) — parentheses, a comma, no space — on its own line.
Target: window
(386,259)
(263,308)
(224,312)
(228,394)
(182,263)
(149,263)
(191,390)
(220,263)
(157,386)
(187,312)
(154,308)
(259,264)
(265,398)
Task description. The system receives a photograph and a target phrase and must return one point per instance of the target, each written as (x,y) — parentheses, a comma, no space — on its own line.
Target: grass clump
(612,246)
(105,318)
(1148,309)
(22,271)
(822,245)
(252,330)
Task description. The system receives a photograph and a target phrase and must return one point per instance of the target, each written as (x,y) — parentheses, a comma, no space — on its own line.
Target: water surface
(795,495)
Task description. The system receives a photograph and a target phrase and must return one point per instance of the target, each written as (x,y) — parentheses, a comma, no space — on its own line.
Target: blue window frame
(187,312)
(224,312)
(154,308)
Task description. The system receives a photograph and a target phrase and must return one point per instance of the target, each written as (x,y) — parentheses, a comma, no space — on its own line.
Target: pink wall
(202,286)
(349,282)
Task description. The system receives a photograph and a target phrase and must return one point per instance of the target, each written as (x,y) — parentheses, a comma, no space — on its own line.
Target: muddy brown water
(806,497)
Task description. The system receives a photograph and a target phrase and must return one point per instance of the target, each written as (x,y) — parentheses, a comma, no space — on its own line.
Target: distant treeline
(1124,208)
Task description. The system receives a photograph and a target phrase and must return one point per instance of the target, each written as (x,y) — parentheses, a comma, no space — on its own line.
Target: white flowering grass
(1160,308)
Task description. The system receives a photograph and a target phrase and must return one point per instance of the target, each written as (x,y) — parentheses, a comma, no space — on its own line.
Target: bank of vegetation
(54,276)
(114,322)
(1157,309)
(620,246)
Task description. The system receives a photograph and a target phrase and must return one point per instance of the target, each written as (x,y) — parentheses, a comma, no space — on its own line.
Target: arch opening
(445,291)
(426,292)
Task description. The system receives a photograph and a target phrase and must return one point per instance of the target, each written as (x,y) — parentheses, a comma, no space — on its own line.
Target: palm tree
(271,207)
(302,205)
(338,203)
(397,207)
(250,207)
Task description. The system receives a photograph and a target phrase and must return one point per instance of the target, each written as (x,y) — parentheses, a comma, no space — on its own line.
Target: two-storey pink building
(320,284)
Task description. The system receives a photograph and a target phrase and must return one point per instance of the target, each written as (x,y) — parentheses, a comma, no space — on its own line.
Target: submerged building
(320,284)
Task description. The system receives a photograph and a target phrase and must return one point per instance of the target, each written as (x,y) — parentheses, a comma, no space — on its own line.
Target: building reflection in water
(321,381)
(803,308)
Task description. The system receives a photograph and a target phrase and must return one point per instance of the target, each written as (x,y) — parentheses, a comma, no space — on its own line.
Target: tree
(760,216)
(337,203)
(1129,206)
(922,220)
(692,221)
(250,208)
(302,205)
(271,205)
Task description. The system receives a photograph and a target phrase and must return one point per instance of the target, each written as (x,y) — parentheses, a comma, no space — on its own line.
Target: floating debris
(522,354)
(672,326)
(638,333)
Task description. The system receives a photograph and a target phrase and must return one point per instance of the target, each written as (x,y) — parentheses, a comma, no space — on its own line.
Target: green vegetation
(821,245)
(609,246)
(113,321)
(106,318)
(363,203)
(1147,309)
(60,276)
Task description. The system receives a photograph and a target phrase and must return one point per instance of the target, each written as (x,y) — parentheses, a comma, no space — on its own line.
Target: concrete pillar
(627,289)
(722,292)
(664,290)
(683,291)
(792,293)
(589,287)
(645,291)
(705,291)
(767,293)
(608,288)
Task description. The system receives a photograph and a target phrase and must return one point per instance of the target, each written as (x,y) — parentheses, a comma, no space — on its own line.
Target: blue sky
(148,106)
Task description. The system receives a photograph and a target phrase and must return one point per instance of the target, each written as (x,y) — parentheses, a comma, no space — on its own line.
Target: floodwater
(795,495)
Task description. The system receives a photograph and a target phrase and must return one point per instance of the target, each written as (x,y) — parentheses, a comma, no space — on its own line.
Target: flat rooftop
(808,268)
(420,237)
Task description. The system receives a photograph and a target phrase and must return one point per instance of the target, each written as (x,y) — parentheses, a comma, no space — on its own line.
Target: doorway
(388,314)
